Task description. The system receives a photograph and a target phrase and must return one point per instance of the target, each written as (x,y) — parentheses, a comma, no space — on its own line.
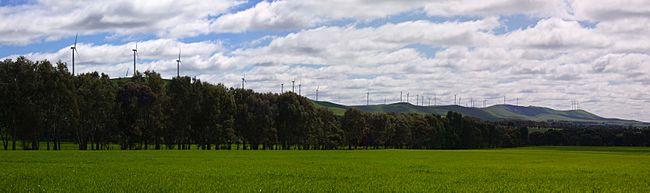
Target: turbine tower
(281,88)
(422,101)
(407,97)
(317,92)
(135,53)
(368,97)
(299,87)
(435,97)
(74,50)
(293,88)
(517,103)
(243,81)
(178,63)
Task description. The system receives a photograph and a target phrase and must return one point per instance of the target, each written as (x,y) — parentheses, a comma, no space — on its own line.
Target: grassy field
(532,169)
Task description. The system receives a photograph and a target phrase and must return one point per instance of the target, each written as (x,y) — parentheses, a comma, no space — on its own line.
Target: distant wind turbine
(368,97)
(455,101)
(407,97)
(135,53)
(243,81)
(74,50)
(178,64)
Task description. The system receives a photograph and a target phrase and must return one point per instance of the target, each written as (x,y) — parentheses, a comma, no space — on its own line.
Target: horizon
(545,53)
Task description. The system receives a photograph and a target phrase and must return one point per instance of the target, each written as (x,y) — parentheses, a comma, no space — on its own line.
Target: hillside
(491,113)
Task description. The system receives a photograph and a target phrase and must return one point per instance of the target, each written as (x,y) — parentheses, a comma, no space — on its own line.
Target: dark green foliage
(44,103)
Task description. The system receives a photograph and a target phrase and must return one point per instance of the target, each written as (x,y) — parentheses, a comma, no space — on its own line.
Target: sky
(537,52)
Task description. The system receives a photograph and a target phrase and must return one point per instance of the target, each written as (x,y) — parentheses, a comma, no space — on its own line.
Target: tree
(134,100)
(156,116)
(96,102)
(380,129)
(179,112)
(7,89)
(333,135)
(355,127)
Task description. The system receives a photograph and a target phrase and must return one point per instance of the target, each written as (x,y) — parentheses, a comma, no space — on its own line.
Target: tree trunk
(13,139)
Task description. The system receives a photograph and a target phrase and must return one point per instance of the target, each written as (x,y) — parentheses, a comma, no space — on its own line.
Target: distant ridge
(491,113)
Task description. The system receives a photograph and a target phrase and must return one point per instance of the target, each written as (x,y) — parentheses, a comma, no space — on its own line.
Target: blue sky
(541,52)
(241,39)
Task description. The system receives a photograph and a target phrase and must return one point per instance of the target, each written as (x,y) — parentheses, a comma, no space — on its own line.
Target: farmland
(534,169)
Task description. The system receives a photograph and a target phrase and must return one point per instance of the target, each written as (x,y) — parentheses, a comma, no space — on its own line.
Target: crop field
(530,169)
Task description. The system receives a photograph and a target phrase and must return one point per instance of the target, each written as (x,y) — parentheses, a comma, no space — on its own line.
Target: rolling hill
(491,113)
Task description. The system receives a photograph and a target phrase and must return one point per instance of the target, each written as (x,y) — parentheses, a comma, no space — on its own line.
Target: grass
(531,169)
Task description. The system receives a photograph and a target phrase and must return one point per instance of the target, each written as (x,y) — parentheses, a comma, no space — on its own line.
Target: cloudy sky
(543,52)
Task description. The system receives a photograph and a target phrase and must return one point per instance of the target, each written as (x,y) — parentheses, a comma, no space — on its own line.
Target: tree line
(43,104)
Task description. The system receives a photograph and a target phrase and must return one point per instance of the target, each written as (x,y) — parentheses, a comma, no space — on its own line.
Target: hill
(491,113)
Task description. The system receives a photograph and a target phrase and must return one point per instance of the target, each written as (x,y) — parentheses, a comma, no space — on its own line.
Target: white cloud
(159,55)
(548,64)
(557,33)
(295,14)
(596,52)
(604,10)
(537,8)
(53,19)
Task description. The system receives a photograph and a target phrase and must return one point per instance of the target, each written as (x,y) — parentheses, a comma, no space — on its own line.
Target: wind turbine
(135,53)
(422,101)
(434,99)
(293,87)
(281,88)
(178,64)
(299,87)
(317,87)
(407,97)
(400,97)
(243,81)
(455,101)
(74,50)
(368,97)
(417,98)
(517,103)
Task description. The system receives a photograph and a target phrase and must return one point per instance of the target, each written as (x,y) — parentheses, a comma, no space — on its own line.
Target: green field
(532,169)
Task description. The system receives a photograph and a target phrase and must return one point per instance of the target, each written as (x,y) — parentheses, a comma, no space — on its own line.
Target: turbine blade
(75,40)
(78,55)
